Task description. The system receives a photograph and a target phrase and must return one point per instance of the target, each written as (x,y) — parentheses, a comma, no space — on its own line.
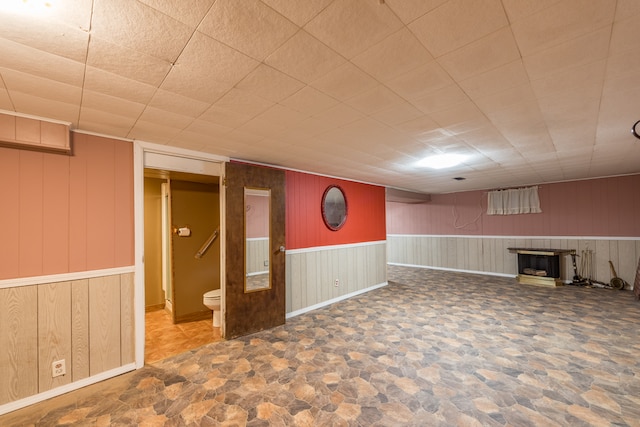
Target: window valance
(514,201)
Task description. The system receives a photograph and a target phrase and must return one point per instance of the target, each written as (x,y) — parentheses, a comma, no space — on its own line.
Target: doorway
(182,260)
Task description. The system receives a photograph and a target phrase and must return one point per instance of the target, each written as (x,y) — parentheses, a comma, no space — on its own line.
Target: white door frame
(157,156)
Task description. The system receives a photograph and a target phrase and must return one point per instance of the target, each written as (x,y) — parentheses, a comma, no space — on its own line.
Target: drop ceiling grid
(498,78)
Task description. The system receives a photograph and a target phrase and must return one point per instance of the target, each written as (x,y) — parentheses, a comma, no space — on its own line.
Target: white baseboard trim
(27,401)
(457,270)
(334,300)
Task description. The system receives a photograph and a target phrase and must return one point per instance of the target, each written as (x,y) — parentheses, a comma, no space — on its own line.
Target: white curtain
(514,201)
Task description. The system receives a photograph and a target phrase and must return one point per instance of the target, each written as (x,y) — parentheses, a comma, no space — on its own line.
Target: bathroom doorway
(182,260)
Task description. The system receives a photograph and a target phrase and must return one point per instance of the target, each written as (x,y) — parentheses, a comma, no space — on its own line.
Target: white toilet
(211,299)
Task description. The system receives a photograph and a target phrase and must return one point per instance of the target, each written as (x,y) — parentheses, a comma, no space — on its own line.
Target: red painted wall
(305,227)
(598,207)
(64,214)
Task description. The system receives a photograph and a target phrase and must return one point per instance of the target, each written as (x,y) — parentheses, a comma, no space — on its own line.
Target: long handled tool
(616,282)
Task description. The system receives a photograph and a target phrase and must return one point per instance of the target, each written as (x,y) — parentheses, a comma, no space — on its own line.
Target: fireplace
(540,266)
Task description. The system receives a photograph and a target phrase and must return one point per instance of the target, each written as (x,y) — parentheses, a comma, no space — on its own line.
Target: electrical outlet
(266,263)
(336,283)
(58,368)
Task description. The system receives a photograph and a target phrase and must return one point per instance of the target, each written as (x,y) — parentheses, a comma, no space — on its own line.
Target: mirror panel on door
(257,215)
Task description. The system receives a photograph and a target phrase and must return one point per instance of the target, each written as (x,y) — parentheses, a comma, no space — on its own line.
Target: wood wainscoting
(312,273)
(490,254)
(88,323)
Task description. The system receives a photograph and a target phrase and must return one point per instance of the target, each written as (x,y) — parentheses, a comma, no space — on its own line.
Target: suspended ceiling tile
(189,12)
(174,103)
(421,81)
(418,126)
(306,129)
(410,10)
(511,98)
(626,9)
(68,42)
(345,82)
(486,54)
(270,84)
(207,69)
(151,131)
(339,115)
(224,117)
(399,113)
(460,118)
(309,101)
(101,81)
(397,54)
(564,21)
(266,29)
(458,23)
(165,118)
(139,27)
(625,35)
(441,99)
(496,80)
(304,58)
(517,9)
(39,63)
(298,12)
(96,101)
(17,81)
(211,131)
(581,51)
(126,62)
(375,100)
(243,102)
(350,27)
(587,78)
(5,100)
(49,108)
(279,115)
(105,123)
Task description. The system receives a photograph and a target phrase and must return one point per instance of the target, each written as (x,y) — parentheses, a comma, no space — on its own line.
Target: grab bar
(205,246)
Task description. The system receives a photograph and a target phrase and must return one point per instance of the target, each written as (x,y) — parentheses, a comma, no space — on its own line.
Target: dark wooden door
(248,312)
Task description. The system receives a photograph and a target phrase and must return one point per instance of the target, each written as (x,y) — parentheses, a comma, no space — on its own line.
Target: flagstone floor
(432,348)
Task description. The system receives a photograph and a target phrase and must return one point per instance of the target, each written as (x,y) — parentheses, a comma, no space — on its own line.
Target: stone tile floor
(433,348)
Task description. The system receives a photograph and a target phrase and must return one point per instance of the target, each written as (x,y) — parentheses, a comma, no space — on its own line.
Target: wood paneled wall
(89,323)
(490,254)
(66,214)
(305,227)
(605,207)
(311,274)
(257,253)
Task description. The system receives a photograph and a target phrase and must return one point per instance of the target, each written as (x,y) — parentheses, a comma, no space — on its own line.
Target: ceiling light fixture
(441,161)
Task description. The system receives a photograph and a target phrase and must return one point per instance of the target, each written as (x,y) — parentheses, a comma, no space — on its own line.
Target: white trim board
(465,236)
(36,398)
(457,270)
(64,277)
(333,300)
(334,247)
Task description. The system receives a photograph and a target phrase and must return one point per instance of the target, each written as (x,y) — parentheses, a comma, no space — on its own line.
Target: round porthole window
(334,207)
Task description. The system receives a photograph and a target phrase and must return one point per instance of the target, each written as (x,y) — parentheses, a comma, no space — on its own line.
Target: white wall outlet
(58,368)
(266,263)
(336,283)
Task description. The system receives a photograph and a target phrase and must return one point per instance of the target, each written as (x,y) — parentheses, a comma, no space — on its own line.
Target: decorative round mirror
(334,207)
